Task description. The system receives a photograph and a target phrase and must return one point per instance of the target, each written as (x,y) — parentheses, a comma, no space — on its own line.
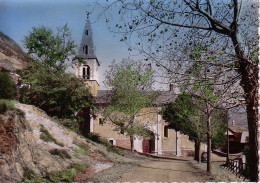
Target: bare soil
(166,170)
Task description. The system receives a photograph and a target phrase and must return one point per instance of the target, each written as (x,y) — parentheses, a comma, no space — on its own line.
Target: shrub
(68,174)
(3,108)
(96,138)
(72,124)
(6,105)
(47,137)
(64,176)
(60,152)
(29,176)
(247,171)
(82,149)
(8,88)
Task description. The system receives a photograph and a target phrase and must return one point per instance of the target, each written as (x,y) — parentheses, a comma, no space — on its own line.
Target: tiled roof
(237,129)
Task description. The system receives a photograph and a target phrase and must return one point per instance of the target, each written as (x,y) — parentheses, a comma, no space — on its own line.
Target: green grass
(64,176)
(47,137)
(9,105)
(82,149)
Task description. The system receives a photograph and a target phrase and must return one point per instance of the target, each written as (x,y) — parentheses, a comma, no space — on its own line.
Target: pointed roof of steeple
(87,40)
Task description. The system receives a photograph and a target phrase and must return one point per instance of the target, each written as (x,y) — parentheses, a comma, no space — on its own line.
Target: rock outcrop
(12,56)
(22,148)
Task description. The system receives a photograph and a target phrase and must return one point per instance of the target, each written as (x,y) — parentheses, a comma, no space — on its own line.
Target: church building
(162,140)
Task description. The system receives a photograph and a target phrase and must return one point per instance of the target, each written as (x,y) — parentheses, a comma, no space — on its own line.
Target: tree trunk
(132,143)
(250,85)
(209,146)
(197,151)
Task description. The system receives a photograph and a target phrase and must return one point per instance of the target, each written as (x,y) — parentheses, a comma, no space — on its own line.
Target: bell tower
(88,71)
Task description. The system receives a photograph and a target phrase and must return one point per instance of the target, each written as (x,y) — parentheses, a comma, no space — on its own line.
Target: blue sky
(17,17)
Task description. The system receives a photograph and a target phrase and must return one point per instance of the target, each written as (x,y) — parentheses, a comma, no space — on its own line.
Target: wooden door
(146,146)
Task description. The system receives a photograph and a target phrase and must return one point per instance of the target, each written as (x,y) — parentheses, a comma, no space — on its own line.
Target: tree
(230,26)
(52,50)
(56,92)
(184,116)
(128,81)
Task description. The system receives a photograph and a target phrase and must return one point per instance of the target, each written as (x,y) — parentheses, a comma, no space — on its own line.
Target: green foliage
(8,88)
(82,149)
(29,176)
(71,124)
(67,175)
(47,137)
(53,50)
(64,176)
(247,172)
(220,117)
(137,130)
(255,55)
(60,152)
(183,116)
(6,105)
(96,138)
(3,108)
(56,92)
(128,82)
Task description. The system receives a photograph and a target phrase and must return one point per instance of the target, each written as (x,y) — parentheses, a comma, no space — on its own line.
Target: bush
(68,174)
(6,105)
(3,108)
(82,149)
(60,152)
(96,138)
(7,86)
(72,124)
(64,176)
(47,137)
(247,171)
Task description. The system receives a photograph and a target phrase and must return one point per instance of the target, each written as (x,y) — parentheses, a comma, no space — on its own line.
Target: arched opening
(86,72)
(149,143)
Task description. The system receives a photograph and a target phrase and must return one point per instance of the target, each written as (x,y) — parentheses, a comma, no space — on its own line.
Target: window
(86,72)
(101,121)
(166,131)
(85,49)
(86,32)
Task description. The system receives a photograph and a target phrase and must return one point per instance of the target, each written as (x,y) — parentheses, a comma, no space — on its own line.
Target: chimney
(171,87)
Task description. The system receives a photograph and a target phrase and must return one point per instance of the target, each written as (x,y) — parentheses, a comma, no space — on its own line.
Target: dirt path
(162,170)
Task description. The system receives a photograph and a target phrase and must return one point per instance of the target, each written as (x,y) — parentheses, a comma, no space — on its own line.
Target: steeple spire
(86,49)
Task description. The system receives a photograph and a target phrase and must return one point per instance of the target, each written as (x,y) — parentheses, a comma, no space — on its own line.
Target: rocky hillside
(12,56)
(32,145)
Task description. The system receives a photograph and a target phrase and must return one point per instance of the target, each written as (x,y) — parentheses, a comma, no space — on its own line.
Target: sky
(18,17)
